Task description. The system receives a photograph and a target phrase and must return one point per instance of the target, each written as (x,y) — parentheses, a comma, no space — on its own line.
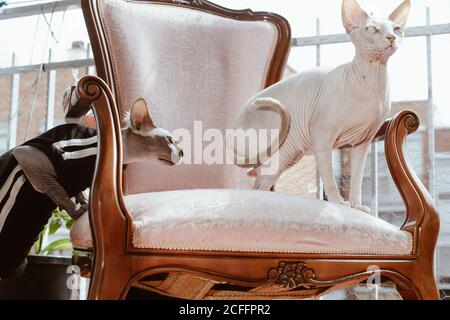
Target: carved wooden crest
(292,274)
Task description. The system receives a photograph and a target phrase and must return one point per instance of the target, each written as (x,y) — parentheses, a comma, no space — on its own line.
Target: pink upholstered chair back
(192,61)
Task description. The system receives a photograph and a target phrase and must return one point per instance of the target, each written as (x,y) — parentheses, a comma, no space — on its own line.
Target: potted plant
(48,270)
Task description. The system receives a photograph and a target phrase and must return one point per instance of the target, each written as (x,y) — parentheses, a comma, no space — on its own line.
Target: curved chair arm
(107,212)
(422,218)
(77,107)
(381,134)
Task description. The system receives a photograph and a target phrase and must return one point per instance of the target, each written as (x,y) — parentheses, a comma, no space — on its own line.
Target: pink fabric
(252,221)
(190,66)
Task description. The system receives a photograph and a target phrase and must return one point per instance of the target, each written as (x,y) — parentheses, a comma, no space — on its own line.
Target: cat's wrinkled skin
(142,141)
(329,109)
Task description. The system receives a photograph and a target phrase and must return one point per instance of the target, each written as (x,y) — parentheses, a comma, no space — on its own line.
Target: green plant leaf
(54,226)
(40,240)
(69,224)
(58,219)
(61,244)
(65,216)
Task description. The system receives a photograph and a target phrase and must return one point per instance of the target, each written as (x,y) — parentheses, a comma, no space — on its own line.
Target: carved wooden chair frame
(115,265)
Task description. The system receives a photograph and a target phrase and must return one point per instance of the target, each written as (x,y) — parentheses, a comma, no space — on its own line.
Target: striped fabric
(76,149)
(8,193)
(72,149)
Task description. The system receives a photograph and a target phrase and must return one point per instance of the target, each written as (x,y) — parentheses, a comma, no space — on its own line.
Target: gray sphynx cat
(45,172)
(142,141)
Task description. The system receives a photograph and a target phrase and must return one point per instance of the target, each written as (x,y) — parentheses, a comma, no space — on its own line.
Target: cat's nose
(391,38)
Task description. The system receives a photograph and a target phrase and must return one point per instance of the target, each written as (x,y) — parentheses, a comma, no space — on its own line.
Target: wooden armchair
(183,231)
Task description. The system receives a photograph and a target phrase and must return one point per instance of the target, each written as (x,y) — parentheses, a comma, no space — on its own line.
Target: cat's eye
(170,139)
(398,31)
(372,29)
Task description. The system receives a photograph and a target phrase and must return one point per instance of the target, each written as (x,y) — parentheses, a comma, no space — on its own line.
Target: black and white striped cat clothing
(24,212)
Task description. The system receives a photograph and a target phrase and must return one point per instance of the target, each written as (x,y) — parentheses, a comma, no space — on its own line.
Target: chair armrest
(422,218)
(381,134)
(107,212)
(77,107)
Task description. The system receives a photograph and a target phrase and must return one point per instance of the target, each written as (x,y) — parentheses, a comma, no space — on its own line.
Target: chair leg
(408,293)
(110,283)
(426,289)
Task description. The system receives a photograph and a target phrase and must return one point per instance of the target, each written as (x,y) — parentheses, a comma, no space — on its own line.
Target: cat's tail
(267,105)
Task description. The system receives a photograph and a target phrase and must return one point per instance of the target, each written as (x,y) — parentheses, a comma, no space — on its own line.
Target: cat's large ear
(140,118)
(400,15)
(352,15)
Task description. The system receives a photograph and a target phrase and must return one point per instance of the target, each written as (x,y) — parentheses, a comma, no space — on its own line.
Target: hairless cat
(324,109)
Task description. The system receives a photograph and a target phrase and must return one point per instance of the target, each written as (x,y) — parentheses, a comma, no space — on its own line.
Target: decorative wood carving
(292,274)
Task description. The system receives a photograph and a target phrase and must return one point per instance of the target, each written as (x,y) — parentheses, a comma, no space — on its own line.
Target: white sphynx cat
(322,109)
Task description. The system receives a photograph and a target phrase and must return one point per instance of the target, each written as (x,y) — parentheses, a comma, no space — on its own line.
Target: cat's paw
(252,173)
(81,199)
(337,199)
(361,208)
(81,210)
(342,203)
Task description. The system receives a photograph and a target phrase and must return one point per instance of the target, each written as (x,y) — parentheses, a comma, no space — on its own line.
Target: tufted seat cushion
(252,221)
